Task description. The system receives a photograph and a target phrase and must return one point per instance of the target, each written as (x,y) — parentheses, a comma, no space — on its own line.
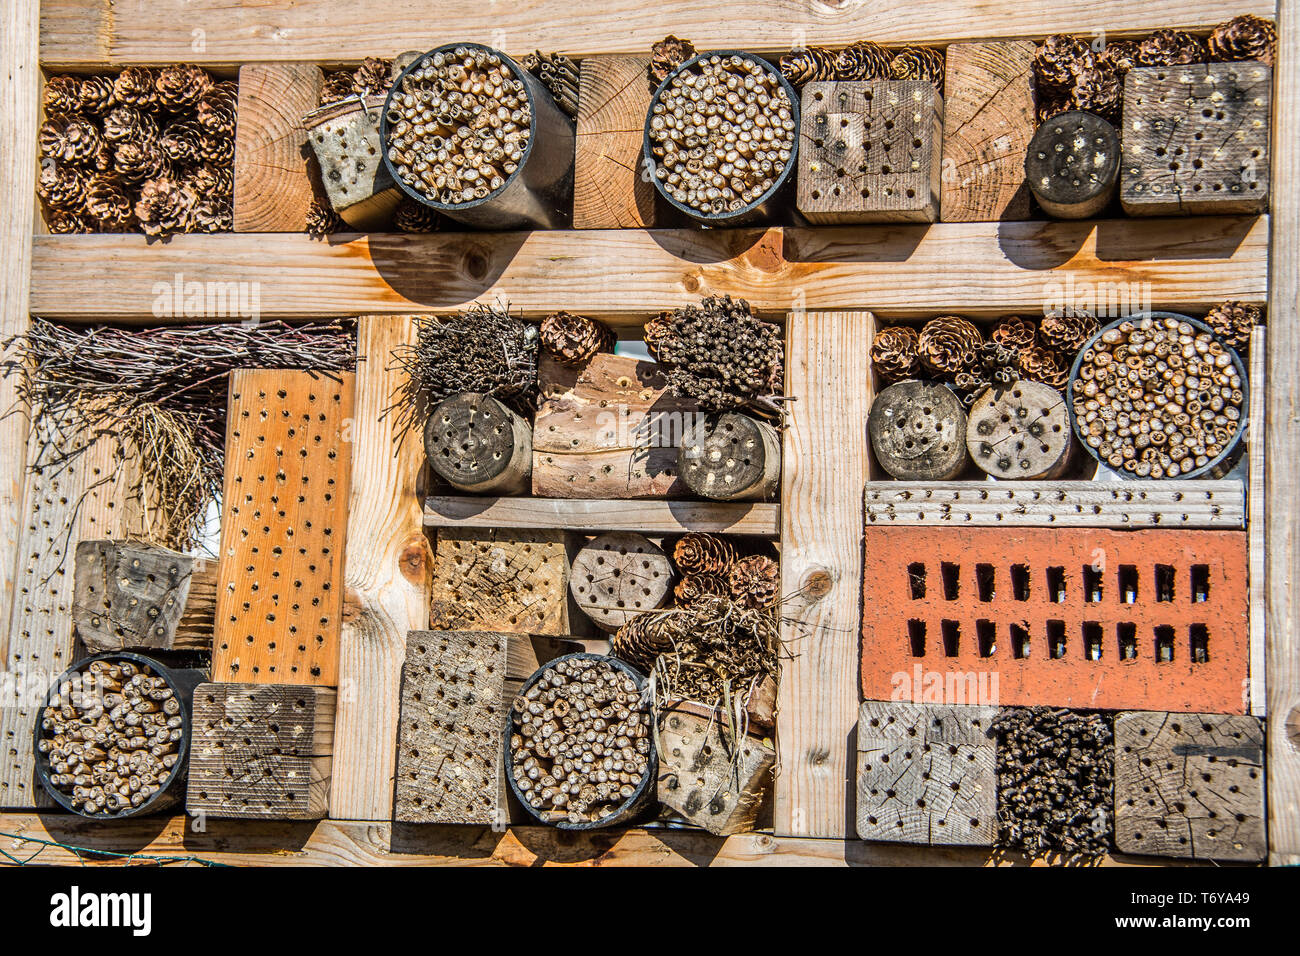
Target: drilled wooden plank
(648,517)
(284,521)
(1058,504)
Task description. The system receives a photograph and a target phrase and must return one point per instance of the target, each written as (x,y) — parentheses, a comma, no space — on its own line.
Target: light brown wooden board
(387,575)
(88,32)
(988,101)
(273,187)
(261,751)
(610,187)
(283,527)
(824,465)
(988,269)
(1257,526)
(664,517)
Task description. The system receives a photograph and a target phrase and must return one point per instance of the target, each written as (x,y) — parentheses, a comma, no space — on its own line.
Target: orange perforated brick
(1148,619)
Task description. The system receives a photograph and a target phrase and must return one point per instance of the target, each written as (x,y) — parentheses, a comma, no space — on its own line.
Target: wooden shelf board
(576,514)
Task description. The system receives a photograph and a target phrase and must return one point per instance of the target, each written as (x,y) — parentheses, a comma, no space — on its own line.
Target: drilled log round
(918,431)
(618,576)
(1022,431)
(730,457)
(1072,164)
(477,444)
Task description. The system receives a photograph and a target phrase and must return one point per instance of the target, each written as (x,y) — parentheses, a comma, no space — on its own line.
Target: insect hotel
(721,435)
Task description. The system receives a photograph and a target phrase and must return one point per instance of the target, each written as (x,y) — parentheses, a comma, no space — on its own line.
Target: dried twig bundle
(723,651)
(574,339)
(1244,38)
(559,75)
(701,553)
(667,55)
(894,354)
(1233,321)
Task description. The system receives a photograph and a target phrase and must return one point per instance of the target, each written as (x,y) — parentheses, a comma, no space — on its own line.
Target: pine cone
(809,65)
(755,581)
(574,339)
(1099,91)
(62,95)
(216,149)
(948,344)
(863,60)
(137,86)
(213,214)
(322,220)
(69,139)
(641,640)
(180,142)
(96,95)
(692,587)
(667,55)
(1040,364)
(1171,48)
(62,222)
(1067,332)
(918,63)
(656,332)
(1244,38)
(61,187)
(180,87)
(1051,105)
(338,86)
(373,77)
(1233,321)
(415,217)
(135,161)
(1118,56)
(1057,62)
(894,353)
(1015,332)
(215,181)
(165,207)
(215,111)
(125,124)
(698,552)
(108,204)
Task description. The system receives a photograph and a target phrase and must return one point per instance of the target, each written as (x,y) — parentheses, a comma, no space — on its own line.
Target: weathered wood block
(288,468)
(711,779)
(611,189)
(608,429)
(1190,785)
(870,151)
(345,138)
(273,176)
(477,444)
(618,576)
(1072,164)
(731,457)
(129,595)
(927,774)
(988,104)
(1196,139)
(1022,431)
(261,751)
(516,582)
(918,431)
(456,692)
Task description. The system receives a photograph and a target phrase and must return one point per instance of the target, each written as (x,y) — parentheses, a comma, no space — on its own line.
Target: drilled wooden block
(261,751)
(1190,785)
(516,582)
(731,457)
(456,692)
(345,138)
(1196,139)
(288,467)
(1021,432)
(711,779)
(129,595)
(618,576)
(918,431)
(927,774)
(870,151)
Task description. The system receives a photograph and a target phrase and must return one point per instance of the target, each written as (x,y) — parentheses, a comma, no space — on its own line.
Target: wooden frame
(987,268)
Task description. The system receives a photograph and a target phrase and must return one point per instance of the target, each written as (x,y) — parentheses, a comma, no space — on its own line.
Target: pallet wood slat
(998,268)
(1058,504)
(579,514)
(1257,523)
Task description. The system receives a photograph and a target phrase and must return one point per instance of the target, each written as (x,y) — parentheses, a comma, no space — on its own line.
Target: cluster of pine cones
(1232,322)
(863,60)
(149,150)
(1071,75)
(372,78)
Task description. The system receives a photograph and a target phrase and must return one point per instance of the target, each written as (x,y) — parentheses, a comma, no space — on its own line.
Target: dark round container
(1214,468)
(171,791)
(646,788)
(765,205)
(537,194)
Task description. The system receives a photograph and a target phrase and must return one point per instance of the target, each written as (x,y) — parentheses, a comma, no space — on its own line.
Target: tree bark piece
(129,596)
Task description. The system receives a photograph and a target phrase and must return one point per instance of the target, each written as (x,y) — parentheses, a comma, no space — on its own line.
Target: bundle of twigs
(160,395)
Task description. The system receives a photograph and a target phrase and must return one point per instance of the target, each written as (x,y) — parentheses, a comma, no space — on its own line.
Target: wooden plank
(1058,504)
(610,189)
(51,838)
(825,464)
(20,84)
(988,268)
(386,575)
(988,99)
(1257,525)
(1283,444)
(288,465)
(648,517)
(273,188)
(104,32)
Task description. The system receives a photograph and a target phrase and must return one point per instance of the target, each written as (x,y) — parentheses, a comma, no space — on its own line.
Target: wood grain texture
(1257,523)
(1283,443)
(129,595)
(649,517)
(104,32)
(273,188)
(386,574)
(285,507)
(828,367)
(988,268)
(988,99)
(609,188)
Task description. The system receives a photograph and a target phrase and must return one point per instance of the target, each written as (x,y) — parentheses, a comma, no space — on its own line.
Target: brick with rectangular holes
(1066,617)
(927,774)
(1190,785)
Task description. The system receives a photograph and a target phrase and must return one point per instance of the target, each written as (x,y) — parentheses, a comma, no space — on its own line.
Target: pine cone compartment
(894,354)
